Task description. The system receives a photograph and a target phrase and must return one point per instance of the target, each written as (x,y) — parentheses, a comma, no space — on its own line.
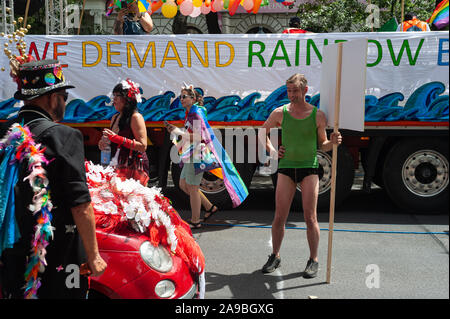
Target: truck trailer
(403,148)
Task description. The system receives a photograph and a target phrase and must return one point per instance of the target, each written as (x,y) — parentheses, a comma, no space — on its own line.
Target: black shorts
(298,174)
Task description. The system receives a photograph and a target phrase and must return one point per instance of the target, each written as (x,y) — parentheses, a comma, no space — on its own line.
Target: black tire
(181,199)
(344,181)
(212,186)
(415,175)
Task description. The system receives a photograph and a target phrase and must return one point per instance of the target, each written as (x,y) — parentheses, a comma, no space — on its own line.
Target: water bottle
(105,155)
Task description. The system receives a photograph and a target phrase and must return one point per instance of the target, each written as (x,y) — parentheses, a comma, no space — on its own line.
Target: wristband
(116,139)
(120,140)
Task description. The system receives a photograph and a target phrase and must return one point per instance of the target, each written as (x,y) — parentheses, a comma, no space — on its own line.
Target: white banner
(251,66)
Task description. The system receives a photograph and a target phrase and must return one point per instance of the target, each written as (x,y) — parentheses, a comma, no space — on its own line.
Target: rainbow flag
(233,182)
(440,15)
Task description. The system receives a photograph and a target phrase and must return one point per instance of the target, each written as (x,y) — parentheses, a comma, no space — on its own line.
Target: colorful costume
(210,151)
(65,177)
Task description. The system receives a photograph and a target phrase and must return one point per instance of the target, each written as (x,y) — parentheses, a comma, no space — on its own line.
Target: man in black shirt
(43,89)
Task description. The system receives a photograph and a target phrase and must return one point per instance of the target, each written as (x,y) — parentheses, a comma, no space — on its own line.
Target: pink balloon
(204,9)
(248,4)
(218,5)
(196,12)
(186,7)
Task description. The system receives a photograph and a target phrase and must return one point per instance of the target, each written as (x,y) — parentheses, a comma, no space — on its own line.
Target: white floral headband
(133,88)
(187,87)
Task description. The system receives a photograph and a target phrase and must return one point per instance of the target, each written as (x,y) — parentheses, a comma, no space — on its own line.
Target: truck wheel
(344,181)
(214,187)
(180,197)
(415,175)
(344,177)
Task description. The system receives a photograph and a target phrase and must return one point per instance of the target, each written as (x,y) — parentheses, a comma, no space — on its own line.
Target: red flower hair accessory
(133,88)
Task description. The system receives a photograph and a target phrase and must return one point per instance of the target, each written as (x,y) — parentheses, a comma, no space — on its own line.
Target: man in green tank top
(303,130)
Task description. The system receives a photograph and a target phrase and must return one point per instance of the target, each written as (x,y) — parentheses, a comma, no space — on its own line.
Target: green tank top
(299,137)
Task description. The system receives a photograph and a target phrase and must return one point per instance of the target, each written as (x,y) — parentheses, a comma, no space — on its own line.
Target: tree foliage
(351,15)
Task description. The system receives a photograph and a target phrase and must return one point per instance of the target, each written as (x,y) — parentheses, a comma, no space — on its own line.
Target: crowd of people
(73,218)
(303,133)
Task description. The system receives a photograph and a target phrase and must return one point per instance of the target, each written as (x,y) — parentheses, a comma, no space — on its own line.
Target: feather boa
(120,203)
(20,139)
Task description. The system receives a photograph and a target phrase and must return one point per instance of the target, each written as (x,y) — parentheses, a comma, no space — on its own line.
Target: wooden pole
(81,17)
(334,161)
(26,14)
(403,12)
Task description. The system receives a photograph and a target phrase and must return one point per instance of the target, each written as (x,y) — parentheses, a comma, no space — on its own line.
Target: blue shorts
(188,174)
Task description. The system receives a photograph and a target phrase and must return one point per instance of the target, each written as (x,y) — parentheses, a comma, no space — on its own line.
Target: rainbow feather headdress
(18,146)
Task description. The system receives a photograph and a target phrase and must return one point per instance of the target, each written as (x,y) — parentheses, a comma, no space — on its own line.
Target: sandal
(210,212)
(194,225)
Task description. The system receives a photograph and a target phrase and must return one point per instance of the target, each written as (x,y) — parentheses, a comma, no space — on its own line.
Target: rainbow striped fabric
(233,182)
(440,15)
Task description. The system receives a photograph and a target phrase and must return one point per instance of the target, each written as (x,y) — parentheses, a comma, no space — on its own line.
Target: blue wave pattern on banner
(425,104)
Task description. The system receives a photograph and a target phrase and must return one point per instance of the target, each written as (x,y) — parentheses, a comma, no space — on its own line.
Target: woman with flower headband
(200,152)
(127,132)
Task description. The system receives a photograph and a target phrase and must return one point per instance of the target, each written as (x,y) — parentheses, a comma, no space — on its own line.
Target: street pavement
(378,251)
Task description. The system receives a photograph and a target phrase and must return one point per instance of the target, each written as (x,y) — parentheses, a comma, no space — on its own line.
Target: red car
(138,270)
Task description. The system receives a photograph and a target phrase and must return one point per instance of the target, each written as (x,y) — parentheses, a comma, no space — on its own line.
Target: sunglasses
(65,95)
(185,96)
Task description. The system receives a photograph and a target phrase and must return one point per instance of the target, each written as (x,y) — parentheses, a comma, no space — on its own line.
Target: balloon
(186,7)
(207,3)
(248,4)
(233,6)
(169,9)
(197,3)
(156,5)
(226,3)
(256,6)
(196,12)
(205,9)
(217,5)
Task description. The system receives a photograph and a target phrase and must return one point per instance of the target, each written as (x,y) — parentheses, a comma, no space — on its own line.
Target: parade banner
(242,75)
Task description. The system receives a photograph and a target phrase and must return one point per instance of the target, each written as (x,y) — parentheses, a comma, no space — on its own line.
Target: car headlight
(165,289)
(156,257)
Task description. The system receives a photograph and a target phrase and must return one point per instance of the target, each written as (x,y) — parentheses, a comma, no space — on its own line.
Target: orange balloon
(256,6)
(207,3)
(156,5)
(233,6)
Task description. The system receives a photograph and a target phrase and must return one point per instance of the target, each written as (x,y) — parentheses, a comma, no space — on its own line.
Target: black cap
(40,77)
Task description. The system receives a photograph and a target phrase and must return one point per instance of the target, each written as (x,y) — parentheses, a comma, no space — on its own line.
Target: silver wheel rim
(211,184)
(425,173)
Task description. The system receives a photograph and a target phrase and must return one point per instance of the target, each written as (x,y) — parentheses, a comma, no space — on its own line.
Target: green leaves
(350,15)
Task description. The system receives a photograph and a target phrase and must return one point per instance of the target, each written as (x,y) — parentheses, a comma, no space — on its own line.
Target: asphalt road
(378,251)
